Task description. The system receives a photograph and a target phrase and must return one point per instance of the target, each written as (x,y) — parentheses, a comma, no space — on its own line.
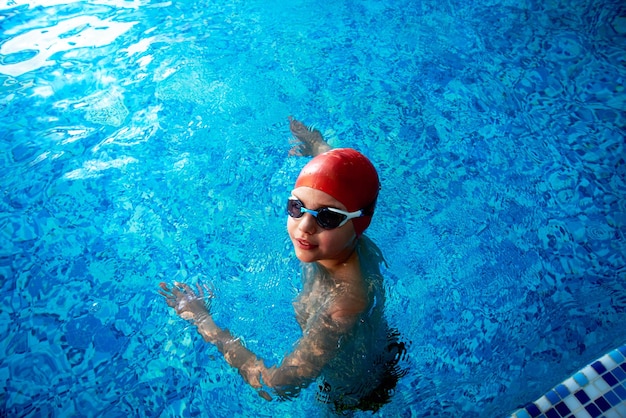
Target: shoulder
(351,296)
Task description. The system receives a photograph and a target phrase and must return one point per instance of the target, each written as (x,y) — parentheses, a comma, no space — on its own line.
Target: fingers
(165,291)
(185,287)
(295,152)
(209,290)
(200,291)
(183,293)
(178,289)
(169,294)
(296,127)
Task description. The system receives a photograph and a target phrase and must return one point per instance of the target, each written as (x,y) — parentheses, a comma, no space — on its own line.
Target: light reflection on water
(64,36)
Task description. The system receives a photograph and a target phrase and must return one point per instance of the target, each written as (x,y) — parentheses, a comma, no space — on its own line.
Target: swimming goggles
(327,218)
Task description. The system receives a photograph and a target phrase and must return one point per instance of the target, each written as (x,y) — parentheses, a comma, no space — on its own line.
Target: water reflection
(93,168)
(33,46)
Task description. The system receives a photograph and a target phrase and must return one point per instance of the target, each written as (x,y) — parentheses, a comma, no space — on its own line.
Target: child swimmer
(346,343)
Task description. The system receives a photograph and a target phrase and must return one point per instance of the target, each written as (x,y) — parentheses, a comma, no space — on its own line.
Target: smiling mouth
(305,245)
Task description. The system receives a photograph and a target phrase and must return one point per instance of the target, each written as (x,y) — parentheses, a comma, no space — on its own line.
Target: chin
(305,258)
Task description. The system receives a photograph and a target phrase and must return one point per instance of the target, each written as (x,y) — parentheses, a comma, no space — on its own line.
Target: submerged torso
(359,364)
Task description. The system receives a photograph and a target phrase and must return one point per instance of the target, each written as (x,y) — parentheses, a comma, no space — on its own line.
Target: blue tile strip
(598,390)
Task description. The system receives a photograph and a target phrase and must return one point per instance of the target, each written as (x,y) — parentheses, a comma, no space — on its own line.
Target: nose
(307,223)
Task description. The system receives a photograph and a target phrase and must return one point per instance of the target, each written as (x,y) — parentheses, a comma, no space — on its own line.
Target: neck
(348,257)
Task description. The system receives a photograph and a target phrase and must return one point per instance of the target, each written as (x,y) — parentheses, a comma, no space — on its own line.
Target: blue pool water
(145,141)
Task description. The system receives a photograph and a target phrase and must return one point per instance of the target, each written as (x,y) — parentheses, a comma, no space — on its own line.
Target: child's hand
(187,303)
(309,141)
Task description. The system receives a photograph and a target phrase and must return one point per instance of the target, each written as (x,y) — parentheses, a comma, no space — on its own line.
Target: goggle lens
(325,217)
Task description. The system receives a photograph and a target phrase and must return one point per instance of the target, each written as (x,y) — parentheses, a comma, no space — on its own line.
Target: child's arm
(300,367)
(190,305)
(310,140)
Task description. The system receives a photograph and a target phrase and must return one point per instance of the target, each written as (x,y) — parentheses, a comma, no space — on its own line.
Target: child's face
(311,242)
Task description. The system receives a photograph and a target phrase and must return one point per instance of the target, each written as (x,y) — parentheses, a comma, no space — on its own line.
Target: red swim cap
(348,176)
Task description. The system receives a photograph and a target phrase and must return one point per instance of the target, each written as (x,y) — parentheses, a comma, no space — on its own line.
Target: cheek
(348,233)
(291,225)
(337,241)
